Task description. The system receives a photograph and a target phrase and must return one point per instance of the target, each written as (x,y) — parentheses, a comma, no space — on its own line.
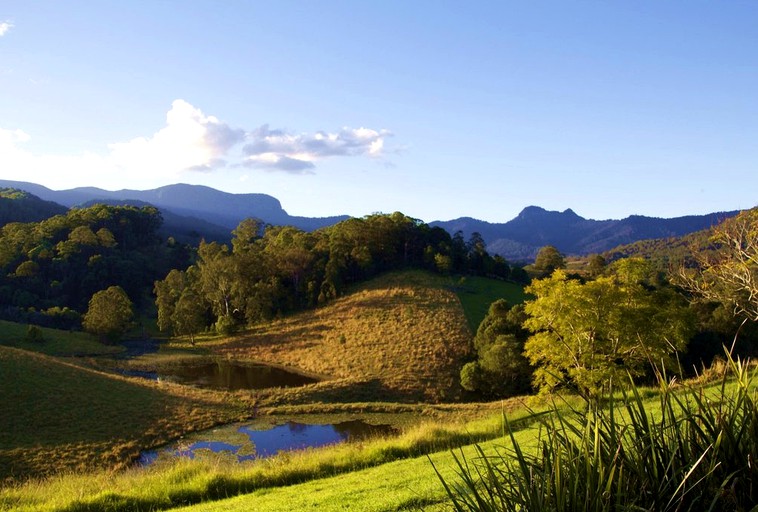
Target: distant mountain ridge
(211,205)
(520,239)
(192,212)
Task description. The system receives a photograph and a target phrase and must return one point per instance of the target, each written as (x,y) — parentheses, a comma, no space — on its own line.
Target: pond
(225,375)
(244,442)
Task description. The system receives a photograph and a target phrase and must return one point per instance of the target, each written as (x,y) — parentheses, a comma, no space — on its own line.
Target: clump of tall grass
(696,448)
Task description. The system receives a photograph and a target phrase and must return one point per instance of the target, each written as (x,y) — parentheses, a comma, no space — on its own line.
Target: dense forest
(51,268)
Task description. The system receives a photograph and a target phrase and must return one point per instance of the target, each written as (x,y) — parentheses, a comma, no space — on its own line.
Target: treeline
(272,270)
(49,270)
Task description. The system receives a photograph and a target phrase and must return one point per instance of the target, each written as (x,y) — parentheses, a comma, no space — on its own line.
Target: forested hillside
(19,206)
(273,270)
(49,270)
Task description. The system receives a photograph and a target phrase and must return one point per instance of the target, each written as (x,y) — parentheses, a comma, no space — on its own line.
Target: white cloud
(276,149)
(5,26)
(190,142)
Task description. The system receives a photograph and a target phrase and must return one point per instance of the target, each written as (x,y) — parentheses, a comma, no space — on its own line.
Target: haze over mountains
(192,212)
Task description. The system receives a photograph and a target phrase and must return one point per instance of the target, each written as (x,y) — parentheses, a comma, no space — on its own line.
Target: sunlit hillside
(404,335)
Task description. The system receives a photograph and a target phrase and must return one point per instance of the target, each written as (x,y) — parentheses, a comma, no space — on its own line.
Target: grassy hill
(402,336)
(56,415)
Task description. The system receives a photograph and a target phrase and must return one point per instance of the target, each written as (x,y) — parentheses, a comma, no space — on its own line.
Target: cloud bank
(190,142)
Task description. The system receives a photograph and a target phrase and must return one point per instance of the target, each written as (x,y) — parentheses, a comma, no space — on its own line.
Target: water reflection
(227,375)
(255,444)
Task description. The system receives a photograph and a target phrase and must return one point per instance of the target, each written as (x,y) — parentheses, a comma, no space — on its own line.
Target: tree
(596,265)
(727,273)
(189,316)
(167,293)
(590,335)
(109,314)
(548,260)
(218,275)
(501,368)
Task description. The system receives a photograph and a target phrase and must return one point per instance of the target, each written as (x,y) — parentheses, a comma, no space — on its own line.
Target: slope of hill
(402,336)
(56,415)
(535,227)
(197,201)
(662,251)
(20,206)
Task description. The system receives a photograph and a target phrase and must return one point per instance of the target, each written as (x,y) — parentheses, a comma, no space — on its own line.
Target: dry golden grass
(400,337)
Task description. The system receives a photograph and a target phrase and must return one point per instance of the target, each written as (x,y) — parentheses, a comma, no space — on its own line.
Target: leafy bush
(696,452)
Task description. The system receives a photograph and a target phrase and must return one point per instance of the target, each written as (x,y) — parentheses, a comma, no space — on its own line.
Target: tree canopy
(500,368)
(548,260)
(727,271)
(591,334)
(109,314)
(60,262)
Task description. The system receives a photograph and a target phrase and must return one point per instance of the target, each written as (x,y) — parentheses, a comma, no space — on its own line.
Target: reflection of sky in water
(291,436)
(265,443)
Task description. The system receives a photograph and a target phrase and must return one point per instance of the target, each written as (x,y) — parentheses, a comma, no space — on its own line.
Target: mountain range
(192,212)
(521,238)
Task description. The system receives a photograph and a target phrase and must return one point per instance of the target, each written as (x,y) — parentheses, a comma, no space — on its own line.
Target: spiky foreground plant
(696,451)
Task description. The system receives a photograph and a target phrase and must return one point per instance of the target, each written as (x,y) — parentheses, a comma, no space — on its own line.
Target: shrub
(34,335)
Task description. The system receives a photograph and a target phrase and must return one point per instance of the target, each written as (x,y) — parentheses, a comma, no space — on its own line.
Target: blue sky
(436,109)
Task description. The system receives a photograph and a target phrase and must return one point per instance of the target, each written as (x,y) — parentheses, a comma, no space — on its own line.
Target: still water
(226,375)
(246,443)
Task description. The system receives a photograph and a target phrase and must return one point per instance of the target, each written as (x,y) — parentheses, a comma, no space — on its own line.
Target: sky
(438,109)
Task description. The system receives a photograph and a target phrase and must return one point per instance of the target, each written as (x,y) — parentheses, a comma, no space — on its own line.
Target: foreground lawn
(385,474)
(403,485)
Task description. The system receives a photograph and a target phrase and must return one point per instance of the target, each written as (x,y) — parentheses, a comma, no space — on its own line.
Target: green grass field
(55,342)
(386,464)
(477,293)
(382,475)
